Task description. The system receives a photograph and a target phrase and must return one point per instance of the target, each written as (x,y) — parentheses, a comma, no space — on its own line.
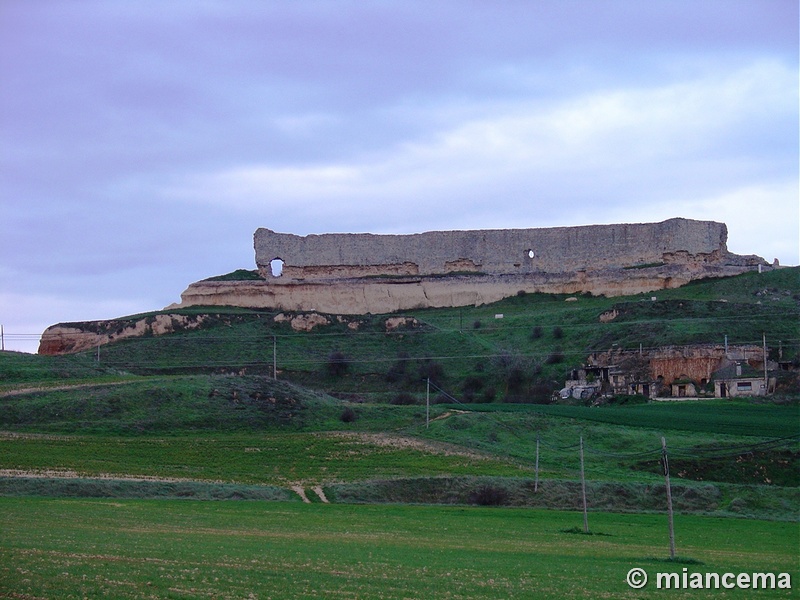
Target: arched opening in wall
(276,265)
(529,253)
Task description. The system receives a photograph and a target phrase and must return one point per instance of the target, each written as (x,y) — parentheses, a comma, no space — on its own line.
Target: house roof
(729,372)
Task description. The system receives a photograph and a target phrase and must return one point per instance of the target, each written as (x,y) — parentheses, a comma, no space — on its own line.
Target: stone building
(676,371)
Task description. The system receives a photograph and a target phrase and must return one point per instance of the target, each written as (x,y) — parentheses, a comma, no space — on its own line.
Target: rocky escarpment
(356,274)
(66,338)
(363,295)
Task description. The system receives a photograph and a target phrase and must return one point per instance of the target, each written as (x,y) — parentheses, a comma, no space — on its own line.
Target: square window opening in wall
(276,266)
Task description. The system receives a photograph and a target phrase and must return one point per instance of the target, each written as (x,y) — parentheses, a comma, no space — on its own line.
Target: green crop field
(188,549)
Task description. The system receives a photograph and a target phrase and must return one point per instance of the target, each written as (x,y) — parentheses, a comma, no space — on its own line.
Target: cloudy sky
(143,142)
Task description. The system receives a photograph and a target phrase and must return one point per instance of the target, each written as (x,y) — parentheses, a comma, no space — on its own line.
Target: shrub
(541,393)
(489,495)
(536,332)
(337,364)
(516,379)
(558,333)
(430,369)
(348,415)
(555,357)
(403,399)
(512,369)
(398,372)
(472,384)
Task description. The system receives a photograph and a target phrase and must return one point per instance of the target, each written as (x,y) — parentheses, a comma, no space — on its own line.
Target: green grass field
(186,549)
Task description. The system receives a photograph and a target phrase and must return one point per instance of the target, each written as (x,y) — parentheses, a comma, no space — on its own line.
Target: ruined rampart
(497,251)
(363,273)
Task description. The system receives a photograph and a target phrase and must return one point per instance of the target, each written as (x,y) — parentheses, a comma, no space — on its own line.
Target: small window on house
(276,264)
(530,253)
(744,385)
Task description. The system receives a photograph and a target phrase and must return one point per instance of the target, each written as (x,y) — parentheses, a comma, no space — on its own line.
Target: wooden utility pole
(665,464)
(428,404)
(766,376)
(583,492)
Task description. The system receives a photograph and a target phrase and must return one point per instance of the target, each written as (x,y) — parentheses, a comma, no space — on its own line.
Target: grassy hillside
(348,409)
(522,356)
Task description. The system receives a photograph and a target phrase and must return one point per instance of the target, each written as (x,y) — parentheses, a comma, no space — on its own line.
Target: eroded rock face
(395,323)
(78,337)
(354,296)
(303,322)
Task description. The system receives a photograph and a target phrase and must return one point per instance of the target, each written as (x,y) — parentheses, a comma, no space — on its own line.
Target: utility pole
(766,376)
(2,339)
(665,464)
(583,492)
(428,404)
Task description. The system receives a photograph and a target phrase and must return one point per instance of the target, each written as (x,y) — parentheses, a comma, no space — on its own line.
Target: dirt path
(298,489)
(60,388)
(67,474)
(449,413)
(320,493)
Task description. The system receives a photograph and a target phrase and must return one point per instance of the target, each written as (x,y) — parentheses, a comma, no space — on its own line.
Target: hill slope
(517,348)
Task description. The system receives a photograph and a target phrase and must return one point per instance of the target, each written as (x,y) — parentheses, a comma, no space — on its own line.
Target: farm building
(740,379)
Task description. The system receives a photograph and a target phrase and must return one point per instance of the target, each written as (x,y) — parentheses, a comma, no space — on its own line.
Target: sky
(142,143)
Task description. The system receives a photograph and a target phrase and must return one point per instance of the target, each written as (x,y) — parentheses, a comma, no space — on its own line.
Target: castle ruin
(356,274)
(343,273)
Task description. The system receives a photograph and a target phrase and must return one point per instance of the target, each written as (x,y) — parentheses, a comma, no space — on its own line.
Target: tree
(337,364)
(512,369)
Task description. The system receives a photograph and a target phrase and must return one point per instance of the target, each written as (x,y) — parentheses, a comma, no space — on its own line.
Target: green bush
(348,415)
(337,364)
(489,495)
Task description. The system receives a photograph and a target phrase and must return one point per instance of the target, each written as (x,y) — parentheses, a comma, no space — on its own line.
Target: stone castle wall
(498,252)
